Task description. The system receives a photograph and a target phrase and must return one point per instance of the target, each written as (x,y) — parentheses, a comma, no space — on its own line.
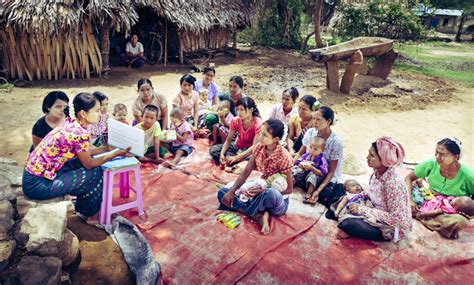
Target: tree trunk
(461,24)
(282,7)
(105,45)
(305,43)
(317,23)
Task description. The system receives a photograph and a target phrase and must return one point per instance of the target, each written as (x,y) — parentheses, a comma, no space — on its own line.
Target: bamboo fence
(56,56)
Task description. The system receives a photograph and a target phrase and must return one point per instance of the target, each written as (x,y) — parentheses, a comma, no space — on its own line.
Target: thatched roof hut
(57,38)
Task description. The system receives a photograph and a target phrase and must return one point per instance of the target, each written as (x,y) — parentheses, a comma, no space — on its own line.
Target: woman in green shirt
(445,174)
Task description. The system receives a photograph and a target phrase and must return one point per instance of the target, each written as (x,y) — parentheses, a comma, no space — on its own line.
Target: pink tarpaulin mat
(193,248)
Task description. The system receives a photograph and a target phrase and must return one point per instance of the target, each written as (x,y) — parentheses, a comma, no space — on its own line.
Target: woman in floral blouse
(387,192)
(62,163)
(268,157)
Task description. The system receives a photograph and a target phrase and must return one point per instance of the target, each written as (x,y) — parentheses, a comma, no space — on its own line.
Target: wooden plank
(332,76)
(383,64)
(354,65)
(6,53)
(48,55)
(15,56)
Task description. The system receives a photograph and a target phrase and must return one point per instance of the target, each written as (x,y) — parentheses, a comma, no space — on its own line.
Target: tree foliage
(278,25)
(379,19)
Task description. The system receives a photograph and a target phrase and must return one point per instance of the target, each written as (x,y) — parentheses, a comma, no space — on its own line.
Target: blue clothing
(269,200)
(213,89)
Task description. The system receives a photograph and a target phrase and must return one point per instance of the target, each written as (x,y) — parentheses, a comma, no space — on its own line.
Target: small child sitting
(276,181)
(221,129)
(183,145)
(446,205)
(152,129)
(120,113)
(98,132)
(310,169)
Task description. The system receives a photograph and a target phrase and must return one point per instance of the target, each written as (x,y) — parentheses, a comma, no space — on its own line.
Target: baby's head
(177,116)
(120,112)
(203,94)
(224,107)
(464,205)
(149,116)
(278,182)
(317,146)
(352,186)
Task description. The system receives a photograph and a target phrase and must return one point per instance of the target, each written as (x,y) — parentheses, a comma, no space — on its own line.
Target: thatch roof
(203,15)
(57,16)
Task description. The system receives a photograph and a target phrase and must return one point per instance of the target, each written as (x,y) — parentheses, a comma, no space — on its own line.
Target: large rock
(12,172)
(352,166)
(23,204)
(6,218)
(45,229)
(35,270)
(6,250)
(6,191)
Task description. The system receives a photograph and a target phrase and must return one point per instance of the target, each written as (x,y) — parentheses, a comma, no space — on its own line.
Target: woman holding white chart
(62,163)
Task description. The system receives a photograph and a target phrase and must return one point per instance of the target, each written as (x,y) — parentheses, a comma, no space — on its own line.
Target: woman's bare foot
(263,220)
(342,234)
(169,164)
(313,199)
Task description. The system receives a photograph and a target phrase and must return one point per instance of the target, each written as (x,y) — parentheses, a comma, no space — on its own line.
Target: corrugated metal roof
(422,10)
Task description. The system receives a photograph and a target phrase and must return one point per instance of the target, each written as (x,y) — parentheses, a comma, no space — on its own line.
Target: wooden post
(234,39)
(166,43)
(332,76)
(180,39)
(105,45)
(364,68)
(383,64)
(355,62)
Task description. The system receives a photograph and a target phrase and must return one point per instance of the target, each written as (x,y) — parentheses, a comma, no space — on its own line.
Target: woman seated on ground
(55,106)
(325,193)
(134,53)
(388,194)
(300,123)
(188,101)
(63,164)
(285,110)
(269,157)
(446,176)
(247,125)
(148,96)
(236,85)
(207,83)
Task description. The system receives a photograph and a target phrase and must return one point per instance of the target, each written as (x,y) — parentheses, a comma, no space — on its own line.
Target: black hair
(275,127)
(328,113)
(451,146)
(144,81)
(100,96)
(84,101)
(119,107)
(466,206)
(151,108)
(188,78)
(308,100)
(52,96)
(208,68)
(237,79)
(248,103)
(374,145)
(293,93)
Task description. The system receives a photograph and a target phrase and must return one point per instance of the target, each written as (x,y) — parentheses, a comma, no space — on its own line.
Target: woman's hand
(414,208)
(354,209)
(228,199)
(222,159)
(254,191)
(123,152)
(232,159)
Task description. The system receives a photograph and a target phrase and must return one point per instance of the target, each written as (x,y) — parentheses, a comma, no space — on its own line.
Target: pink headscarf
(391,152)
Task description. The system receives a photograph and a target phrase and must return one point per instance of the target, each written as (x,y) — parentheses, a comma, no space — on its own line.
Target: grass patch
(455,65)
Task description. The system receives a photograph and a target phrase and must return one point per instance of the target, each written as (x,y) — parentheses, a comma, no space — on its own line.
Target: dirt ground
(416,110)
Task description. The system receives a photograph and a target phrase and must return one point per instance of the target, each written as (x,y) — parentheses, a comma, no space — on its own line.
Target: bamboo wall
(57,56)
(213,39)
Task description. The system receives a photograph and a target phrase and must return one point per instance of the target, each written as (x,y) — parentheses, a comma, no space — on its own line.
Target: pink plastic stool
(106,208)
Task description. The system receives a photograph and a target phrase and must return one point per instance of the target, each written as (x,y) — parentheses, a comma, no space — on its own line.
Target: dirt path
(417,110)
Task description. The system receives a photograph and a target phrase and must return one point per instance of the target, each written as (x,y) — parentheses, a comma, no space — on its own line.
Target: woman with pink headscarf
(387,192)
